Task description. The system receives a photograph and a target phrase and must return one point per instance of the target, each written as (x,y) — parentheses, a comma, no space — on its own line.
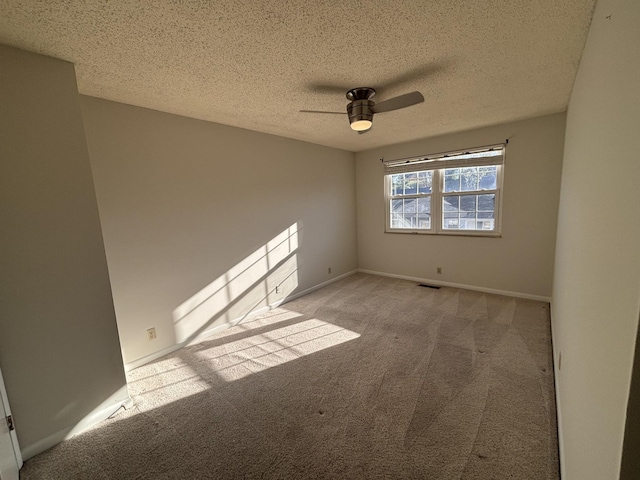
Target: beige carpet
(367,378)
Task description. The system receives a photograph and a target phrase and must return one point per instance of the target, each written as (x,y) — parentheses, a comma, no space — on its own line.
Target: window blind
(483,156)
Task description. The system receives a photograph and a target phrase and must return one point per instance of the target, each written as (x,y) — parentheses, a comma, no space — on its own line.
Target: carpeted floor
(370,377)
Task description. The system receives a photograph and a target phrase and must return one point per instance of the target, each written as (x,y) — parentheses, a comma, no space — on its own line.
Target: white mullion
(437,186)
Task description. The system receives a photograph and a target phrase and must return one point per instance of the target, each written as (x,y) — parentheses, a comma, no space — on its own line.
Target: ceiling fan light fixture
(360,114)
(361,125)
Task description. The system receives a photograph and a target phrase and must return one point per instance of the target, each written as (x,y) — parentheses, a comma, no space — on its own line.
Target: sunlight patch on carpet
(276,315)
(164,382)
(235,360)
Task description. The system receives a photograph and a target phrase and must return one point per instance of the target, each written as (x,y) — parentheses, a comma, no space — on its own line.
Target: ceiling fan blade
(400,101)
(322,111)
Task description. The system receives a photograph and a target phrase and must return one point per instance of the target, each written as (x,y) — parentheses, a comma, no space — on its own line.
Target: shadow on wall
(263,279)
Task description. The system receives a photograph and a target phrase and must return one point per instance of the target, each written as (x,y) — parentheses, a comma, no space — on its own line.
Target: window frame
(438,194)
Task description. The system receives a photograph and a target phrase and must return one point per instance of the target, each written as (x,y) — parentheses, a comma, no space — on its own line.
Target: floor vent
(428,286)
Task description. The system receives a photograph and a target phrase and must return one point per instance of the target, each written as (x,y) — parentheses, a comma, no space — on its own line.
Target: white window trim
(437,164)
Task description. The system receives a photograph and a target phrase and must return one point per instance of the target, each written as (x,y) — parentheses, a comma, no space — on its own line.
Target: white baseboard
(559,420)
(43,444)
(556,376)
(319,286)
(219,328)
(102,412)
(151,357)
(440,283)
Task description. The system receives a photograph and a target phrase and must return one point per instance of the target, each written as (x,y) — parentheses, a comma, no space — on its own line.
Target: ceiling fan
(361,108)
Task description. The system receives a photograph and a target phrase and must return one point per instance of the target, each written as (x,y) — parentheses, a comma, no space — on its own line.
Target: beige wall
(59,345)
(521,262)
(596,294)
(193,215)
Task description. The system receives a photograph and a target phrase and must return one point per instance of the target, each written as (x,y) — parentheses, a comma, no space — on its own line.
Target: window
(450,193)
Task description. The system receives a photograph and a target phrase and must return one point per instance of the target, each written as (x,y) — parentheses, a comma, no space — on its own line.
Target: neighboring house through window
(446,193)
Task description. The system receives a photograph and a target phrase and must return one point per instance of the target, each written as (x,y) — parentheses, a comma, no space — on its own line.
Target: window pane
(450,203)
(468,221)
(488,177)
(450,221)
(424,182)
(410,205)
(486,224)
(397,184)
(396,220)
(424,221)
(410,183)
(469,179)
(468,203)
(409,220)
(424,205)
(486,203)
(396,205)
(486,221)
(452,180)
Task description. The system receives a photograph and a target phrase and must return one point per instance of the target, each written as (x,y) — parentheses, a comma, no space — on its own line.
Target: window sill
(448,234)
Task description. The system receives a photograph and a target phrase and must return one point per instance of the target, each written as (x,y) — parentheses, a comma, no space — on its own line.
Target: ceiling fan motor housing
(359,109)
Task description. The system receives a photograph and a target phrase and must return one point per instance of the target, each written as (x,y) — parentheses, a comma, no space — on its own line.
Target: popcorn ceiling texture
(256,64)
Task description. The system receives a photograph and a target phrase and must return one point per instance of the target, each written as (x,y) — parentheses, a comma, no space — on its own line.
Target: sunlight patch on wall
(263,278)
(238,359)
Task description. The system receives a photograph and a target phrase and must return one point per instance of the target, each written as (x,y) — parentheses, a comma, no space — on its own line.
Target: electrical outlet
(329,270)
(439,270)
(151,333)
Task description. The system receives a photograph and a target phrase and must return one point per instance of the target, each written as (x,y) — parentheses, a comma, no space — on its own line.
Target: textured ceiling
(256,63)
